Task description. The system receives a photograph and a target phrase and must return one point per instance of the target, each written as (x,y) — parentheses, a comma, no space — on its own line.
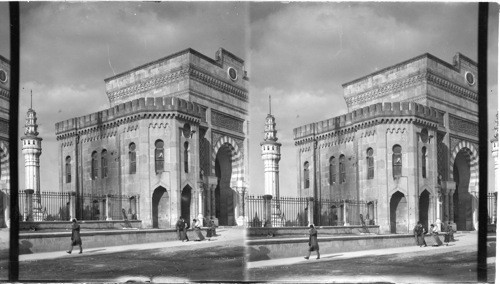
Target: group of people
(419,232)
(182,226)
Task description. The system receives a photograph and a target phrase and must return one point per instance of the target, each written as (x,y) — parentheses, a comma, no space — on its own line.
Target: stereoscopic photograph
(178,142)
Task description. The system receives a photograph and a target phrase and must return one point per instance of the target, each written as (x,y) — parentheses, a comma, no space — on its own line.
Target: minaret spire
(31,104)
(270,104)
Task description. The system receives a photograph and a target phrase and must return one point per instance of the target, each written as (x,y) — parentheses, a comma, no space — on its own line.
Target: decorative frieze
(184,73)
(4,127)
(463,126)
(409,82)
(227,122)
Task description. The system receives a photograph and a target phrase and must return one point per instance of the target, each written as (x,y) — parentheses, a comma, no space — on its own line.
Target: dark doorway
(398,215)
(160,205)
(462,199)
(224,207)
(423,208)
(186,203)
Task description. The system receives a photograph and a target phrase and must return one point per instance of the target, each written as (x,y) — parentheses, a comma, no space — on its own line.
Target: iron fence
(56,206)
(293,212)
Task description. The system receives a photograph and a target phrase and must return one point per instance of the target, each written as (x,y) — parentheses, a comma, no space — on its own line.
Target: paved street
(448,264)
(173,261)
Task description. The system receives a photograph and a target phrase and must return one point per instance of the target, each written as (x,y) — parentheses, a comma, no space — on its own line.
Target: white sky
(299,53)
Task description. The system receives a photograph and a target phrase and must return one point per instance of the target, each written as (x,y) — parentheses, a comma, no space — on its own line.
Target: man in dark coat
(75,236)
(313,242)
(418,232)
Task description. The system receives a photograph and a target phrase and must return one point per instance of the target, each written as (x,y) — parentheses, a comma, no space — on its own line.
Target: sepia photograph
(284,142)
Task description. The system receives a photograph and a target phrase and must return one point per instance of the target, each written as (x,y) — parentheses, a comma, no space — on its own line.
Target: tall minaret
(271,154)
(32,148)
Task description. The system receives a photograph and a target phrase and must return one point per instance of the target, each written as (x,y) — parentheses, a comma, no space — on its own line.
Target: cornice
(191,72)
(429,77)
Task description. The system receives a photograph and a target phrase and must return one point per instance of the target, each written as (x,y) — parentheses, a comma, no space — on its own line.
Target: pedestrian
(210,229)
(449,234)
(418,232)
(186,226)
(197,230)
(75,237)
(180,226)
(435,236)
(452,235)
(313,242)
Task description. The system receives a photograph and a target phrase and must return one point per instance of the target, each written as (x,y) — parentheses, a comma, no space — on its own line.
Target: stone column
(439,204)
(345,214)
(72,205)
(446,205)
(242,219)
(208,202)
(451,206)
(310,214)
(212,182)
(108,208)
(200,200)
(475,211)
(28,205)
(494,217)
(267,210)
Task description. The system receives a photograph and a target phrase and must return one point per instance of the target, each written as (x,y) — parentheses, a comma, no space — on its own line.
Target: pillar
(345,214)
(310,215)
(108,208)
(267,210)
(439,204)
(242,219)
(212,183)
(475,210)
(494,217)
(208,202)
(200,200)
(28,205)
(72,205)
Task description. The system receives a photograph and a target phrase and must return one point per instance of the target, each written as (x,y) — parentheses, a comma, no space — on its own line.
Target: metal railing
(293,212)
(56,206)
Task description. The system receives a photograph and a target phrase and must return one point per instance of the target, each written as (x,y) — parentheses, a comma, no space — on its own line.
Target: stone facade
(173,141)
(4,141)
(407,146)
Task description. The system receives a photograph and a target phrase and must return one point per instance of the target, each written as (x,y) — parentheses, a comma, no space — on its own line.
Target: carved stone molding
(463,126)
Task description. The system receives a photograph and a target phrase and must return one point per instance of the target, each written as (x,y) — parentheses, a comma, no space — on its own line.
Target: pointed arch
(236,158)
(471,150)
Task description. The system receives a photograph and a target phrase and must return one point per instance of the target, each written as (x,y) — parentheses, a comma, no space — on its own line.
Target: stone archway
(160,201)
(398,213)
(423,208)
(224,194)
(186,203)
(462,199)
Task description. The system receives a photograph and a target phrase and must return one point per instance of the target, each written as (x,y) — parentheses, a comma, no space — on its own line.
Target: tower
(271,154)
(32,148)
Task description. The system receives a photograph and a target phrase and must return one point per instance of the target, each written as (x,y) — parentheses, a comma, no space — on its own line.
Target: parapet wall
(379,110)
(141,105)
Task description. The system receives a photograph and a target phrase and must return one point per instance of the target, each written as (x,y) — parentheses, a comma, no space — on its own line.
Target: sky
(298,53)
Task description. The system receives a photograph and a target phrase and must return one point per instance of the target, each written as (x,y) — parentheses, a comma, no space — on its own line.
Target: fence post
(108,207)
(28,205)
(72,205)
(310,214)
(267,210)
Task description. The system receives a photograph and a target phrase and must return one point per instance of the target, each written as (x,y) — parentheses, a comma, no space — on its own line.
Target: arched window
(370,164)
(104,163)
(341,169)
(132,158)
(331,170)
(94,169)
(186,164)
(68,169)
(159,157)
(306,175)
(424,162)
(397,161)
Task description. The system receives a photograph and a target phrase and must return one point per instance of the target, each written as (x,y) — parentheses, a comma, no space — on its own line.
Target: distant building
(4,141)
(407,147)
(173,141)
